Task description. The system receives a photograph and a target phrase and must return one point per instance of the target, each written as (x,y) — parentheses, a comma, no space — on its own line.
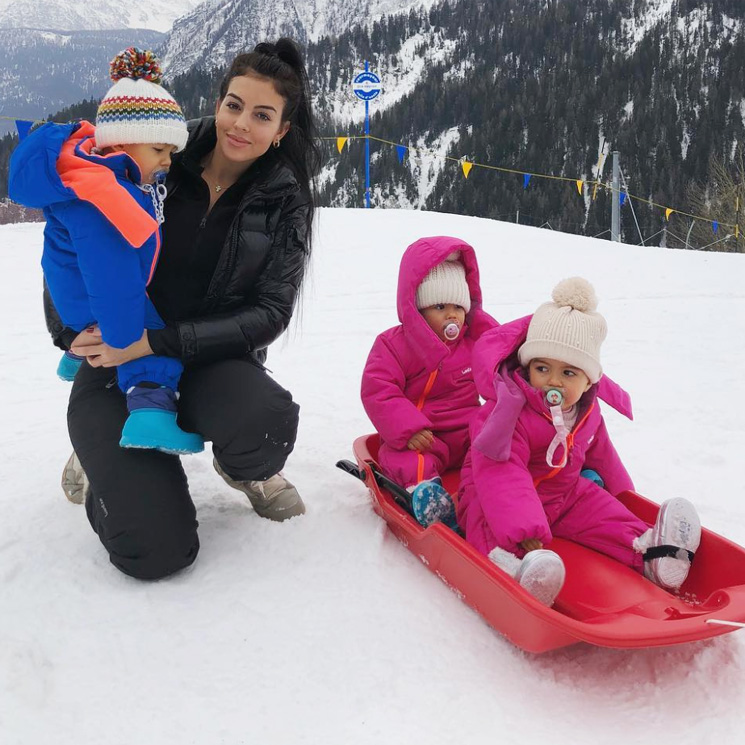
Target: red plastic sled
(602,602)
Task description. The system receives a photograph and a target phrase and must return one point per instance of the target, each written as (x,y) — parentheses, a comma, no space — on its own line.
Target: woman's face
(249,119)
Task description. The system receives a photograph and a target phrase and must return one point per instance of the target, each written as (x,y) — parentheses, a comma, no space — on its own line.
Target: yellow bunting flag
(340,142)
(668,212)
(580,184)
(737,231)
(737,204)
(466,166)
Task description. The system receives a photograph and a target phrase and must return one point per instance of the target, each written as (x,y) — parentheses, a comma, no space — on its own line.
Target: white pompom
(577,293)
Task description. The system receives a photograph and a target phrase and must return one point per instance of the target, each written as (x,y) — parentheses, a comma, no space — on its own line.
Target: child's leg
(669,547)
(408,467)
(420,473)
(540,572)
(150,384)
(594,518)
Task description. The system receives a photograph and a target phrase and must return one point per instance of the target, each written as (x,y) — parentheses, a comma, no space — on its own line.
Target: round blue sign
(366,85)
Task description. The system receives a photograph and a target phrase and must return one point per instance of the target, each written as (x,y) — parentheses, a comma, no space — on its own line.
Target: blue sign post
(366,86)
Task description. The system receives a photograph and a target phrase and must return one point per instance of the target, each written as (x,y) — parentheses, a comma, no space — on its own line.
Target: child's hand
(530,544)
(421,441)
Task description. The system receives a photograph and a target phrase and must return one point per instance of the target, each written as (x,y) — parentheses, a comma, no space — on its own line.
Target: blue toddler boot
(431,503)
(593,476)
(69,366)
(151,423)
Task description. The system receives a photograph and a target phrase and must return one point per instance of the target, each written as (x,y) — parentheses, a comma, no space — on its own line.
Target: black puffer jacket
(253,290)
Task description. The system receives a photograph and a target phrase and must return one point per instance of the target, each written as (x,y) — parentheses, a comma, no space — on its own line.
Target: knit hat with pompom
(136,109)
(445,283)
(568,329)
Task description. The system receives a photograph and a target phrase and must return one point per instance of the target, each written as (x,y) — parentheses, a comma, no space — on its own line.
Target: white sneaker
(275,499)
(541,572)
(677,527)
(74,481)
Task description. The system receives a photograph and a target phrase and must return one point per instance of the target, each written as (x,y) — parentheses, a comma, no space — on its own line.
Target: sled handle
(399,494)
(351,468)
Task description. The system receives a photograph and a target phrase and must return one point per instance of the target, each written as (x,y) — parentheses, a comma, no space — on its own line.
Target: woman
(236,243)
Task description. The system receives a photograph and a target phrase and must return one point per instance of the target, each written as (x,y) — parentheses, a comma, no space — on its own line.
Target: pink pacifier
(554,397)
(451,331)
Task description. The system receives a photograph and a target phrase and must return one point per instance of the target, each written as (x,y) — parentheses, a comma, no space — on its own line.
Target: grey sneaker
(74,481)
(275,499)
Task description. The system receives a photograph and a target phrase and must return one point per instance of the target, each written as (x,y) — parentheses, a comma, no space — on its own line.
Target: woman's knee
(146,522)
(143,553)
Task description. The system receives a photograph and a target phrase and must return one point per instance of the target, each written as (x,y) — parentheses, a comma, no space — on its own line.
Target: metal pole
(688,235)
(367,149)
(517,217)
(615,224)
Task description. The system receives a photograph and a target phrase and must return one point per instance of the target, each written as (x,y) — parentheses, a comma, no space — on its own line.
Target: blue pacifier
(451,331)
(554,397)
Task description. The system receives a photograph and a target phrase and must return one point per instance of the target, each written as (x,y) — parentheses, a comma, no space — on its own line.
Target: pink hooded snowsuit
(508,493)
(414,381)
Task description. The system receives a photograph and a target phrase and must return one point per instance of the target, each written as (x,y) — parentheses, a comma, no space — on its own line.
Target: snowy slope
(80,15)
(325,629)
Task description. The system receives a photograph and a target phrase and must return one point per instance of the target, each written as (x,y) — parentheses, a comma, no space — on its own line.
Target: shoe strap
(668,551)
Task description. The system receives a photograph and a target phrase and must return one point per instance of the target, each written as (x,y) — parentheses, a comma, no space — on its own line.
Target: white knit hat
(136,109)
(568,329)
(445,283)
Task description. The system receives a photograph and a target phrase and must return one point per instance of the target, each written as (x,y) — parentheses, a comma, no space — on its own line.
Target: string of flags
(23,126)
(582,185)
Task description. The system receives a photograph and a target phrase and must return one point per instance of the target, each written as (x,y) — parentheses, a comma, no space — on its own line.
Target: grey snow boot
(74,481)
(275,499)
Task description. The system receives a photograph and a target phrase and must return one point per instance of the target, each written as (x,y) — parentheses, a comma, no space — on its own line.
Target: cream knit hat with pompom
(568,329)
(445,283)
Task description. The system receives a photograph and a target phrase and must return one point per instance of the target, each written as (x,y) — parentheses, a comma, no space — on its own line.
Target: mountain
(550,88)
(535,87)
(215,31)
(75,67)
(81,15)
(526,86)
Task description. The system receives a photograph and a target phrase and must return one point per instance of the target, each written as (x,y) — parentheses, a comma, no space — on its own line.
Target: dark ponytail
(282,63)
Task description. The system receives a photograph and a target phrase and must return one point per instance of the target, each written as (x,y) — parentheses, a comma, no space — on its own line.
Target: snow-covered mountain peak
(80,15)
(218,29)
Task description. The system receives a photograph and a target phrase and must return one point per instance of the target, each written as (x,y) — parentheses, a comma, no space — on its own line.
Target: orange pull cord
(419,405)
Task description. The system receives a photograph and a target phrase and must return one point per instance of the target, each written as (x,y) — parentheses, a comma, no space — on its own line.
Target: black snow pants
(138,502)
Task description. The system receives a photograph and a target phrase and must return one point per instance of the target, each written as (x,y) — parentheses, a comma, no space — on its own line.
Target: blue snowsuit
(101,240)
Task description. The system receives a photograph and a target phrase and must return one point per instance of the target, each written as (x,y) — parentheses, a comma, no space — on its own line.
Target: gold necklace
(217,187)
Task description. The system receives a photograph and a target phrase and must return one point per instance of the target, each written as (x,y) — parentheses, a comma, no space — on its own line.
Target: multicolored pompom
(137,64)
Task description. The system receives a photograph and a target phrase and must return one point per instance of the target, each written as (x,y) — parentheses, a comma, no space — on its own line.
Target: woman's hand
(421,441)
(530,544)
(90,345)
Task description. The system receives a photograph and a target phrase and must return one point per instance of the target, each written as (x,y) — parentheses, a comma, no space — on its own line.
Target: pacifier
(554,397)
(451,331)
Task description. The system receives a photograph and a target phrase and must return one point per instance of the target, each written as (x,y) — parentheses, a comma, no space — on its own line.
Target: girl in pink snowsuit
(417,385)
(540,427)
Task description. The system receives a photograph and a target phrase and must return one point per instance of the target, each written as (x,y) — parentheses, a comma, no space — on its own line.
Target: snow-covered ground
(325,629)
